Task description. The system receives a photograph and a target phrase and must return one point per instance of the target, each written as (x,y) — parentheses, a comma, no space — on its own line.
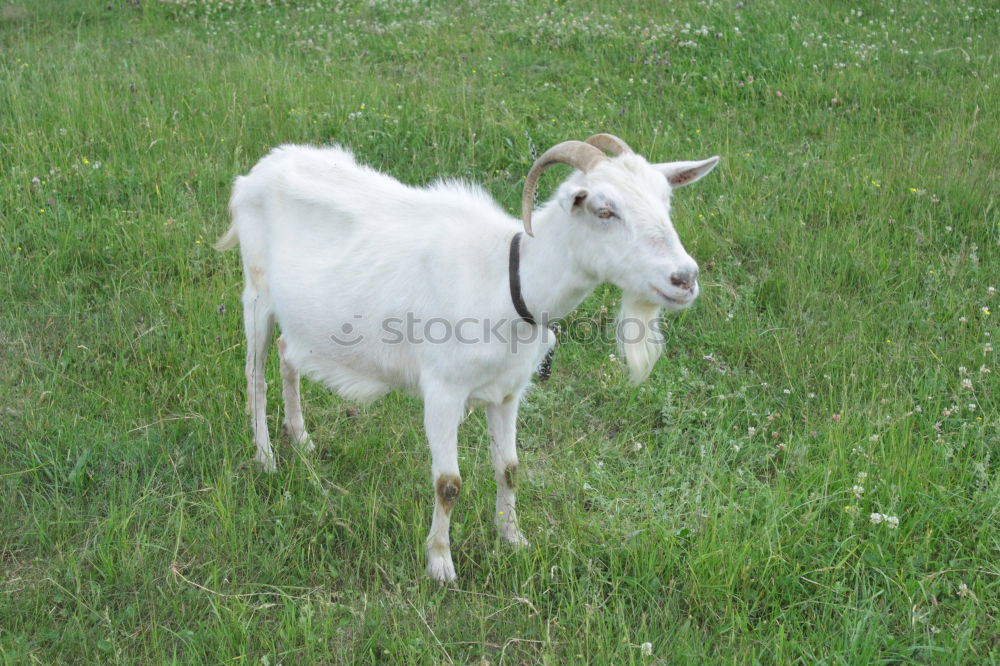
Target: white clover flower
(858,490)
(646,649)
(967,383)
(892,522)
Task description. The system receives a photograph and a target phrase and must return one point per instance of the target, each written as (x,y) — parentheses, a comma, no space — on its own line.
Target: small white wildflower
(991,290)
(892,522)
(637,446)
(963,590)
(987,348)
(962,320)
(877,518)
(967,383)
(646,649)
(751,431)
(962,370)
(971,406)
(983,370)
(873,438)
(858,491)
(862,476)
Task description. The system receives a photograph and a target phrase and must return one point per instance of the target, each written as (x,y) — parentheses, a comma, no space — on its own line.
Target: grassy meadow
(811,474)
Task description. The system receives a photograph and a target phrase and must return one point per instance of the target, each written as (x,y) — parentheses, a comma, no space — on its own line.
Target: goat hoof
(266,462)
(514,538)
(305,443)
(441,569)
(302,440)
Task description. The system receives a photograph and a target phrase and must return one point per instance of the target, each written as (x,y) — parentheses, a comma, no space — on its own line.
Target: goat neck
(553,282)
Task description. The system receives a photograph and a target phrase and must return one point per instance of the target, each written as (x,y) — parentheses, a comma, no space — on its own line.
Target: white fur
(333,250)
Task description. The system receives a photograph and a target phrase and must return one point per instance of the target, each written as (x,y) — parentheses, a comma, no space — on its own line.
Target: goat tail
(228,240)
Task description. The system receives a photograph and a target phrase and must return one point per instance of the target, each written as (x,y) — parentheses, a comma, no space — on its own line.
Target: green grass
(848,243)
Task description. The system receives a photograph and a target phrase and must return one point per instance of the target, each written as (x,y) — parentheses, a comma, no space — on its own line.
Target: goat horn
(609,143)
(577,154)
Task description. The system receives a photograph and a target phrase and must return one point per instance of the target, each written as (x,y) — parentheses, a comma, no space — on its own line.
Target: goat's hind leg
(258,320)
(294,425)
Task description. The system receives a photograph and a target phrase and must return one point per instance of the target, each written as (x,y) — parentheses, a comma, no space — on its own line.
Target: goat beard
(639,338)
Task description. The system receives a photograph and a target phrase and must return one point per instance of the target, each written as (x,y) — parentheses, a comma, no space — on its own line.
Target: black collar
(514,266)
(515,280)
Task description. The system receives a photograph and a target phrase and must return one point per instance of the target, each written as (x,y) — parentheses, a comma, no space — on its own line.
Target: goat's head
(622,206)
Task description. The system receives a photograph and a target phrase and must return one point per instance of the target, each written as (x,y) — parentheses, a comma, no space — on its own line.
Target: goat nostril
(683,280)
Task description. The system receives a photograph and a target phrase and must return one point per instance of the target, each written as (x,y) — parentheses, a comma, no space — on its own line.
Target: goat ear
(570,198)
(679,174)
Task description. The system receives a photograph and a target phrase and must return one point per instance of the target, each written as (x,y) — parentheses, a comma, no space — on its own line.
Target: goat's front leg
(442,414)
(502,420)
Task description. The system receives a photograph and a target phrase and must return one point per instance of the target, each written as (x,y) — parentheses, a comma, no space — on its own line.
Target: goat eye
(605,213)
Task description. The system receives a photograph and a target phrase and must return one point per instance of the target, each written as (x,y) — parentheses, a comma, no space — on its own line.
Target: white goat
(378,286)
